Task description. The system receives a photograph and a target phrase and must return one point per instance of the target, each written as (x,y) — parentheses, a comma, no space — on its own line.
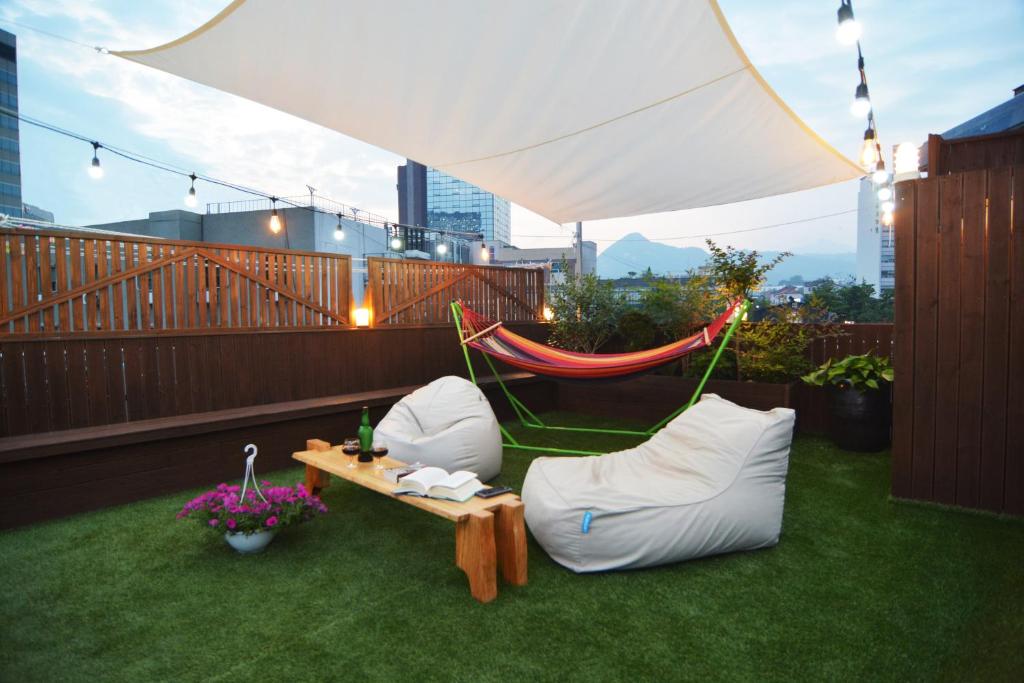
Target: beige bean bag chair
(712,481)
(447,423)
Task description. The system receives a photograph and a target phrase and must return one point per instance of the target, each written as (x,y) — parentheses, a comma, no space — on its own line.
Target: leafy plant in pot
(859,392)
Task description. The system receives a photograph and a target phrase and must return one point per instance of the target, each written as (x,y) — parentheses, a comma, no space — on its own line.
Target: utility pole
(579,248)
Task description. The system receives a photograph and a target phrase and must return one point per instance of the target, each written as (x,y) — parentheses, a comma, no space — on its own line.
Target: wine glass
(351,449)
(380,451)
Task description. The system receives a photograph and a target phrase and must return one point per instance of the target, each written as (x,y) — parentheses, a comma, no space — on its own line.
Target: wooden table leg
(317,479)
(510,540)
(475,554)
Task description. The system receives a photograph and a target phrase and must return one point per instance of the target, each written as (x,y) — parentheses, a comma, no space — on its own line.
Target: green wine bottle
(365,434)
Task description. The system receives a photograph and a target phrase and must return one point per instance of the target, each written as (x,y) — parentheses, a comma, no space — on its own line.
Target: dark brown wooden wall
(959,355)
(973,153)
(56,384)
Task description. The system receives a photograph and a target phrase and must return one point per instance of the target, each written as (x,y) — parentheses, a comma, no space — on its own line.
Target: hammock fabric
(493,339)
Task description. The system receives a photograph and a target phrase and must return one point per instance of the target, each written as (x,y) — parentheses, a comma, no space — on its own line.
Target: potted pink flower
(249,520)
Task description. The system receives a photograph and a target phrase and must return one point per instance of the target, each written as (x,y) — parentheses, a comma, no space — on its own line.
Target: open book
(434,482)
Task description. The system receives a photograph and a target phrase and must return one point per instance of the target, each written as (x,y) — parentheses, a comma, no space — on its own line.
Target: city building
(496,253)
(876,261)
(36,213)
(433,199)
(10,148)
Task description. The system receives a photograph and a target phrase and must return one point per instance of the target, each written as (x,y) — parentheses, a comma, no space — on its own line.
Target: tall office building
(432,199)
(876,261)
(10,154)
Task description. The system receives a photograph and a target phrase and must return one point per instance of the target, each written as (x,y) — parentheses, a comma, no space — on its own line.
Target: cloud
(221,135)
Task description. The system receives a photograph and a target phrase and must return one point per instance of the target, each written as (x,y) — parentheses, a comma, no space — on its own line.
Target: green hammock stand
(528,419)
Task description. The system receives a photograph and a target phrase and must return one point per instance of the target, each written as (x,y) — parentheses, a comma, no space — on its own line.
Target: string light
(339,231)
(869,156)
(190,198)
(485,254)
(95,170)
(275,220)
(861,102)
(849,30)
(442,249)
(871,159)
(880,176)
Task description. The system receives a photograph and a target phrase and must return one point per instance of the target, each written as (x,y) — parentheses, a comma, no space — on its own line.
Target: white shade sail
(575,109)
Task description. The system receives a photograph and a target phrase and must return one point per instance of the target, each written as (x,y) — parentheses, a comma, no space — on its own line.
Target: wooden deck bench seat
(53,474)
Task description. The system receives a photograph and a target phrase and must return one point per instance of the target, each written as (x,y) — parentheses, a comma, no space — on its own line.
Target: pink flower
(232,523)
(214,522)
(271,521)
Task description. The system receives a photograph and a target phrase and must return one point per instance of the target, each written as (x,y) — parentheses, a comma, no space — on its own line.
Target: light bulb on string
(190,199)
(888,206)
(880,176)
(869,151)
(861,101)
(95,170)
(396,243)
(884,193)
(275,220)
(850,30)
(887,218)
(442,249)
(339,230)
(485,255)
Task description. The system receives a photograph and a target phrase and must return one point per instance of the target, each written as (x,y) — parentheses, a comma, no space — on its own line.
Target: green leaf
(871,383)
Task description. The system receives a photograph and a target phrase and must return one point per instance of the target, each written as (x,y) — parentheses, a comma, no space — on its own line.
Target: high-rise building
(876,261)
(10,150)
(433,199)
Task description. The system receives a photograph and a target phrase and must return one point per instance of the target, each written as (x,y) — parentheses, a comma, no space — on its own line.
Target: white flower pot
(247,544)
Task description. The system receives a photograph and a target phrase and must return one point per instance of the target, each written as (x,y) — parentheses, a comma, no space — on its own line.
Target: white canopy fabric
(575,109)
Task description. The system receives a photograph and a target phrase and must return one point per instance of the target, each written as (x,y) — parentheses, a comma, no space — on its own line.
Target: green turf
(860,588)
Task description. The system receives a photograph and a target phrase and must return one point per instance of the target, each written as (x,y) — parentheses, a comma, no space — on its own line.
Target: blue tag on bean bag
(586,522)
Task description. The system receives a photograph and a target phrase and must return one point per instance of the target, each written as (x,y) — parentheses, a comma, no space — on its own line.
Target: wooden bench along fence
(415,292)
(959,393)
(75,282)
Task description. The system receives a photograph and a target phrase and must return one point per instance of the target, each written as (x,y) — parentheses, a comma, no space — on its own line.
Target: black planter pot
(860,421)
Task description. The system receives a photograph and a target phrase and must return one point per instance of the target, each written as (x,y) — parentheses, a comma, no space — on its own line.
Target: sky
(931,64)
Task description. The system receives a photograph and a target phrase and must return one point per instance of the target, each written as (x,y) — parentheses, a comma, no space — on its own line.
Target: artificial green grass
(859,588)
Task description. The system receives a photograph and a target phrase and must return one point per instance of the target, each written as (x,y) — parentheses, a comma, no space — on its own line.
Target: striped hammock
(494,339)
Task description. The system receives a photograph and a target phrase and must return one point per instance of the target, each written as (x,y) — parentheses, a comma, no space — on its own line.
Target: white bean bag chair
(447,423)
(712,481)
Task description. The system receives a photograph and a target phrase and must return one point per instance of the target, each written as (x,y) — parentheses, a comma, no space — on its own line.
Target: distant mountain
(636,253)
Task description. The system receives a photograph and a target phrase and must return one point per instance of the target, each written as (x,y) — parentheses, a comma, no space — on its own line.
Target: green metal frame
(528,419)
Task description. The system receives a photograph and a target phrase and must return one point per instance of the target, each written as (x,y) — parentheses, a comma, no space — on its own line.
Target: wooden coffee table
(489,532)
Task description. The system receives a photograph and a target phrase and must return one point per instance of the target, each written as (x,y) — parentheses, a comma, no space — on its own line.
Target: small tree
(737,273)
(586,311)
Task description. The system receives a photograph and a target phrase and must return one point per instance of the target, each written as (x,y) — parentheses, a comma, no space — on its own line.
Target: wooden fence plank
(903,353)
(996,340)
(926,291)
(1013,487)
(972,331)
(948,338)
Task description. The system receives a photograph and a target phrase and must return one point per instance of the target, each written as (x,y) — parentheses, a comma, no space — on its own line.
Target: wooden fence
(73,282)
(981,151)
(959,392)
(415,292)
(50,384)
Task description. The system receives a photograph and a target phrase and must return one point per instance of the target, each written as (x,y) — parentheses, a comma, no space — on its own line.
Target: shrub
(866,371)
(586,311)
